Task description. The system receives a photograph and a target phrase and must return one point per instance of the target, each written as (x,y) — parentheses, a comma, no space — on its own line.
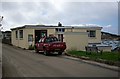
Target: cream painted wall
(22,42)
(51,31)
(79,30)
(96,39)
(29,32)
(68,30)
(32,31)
(17,41)
(14,40)
(76,40)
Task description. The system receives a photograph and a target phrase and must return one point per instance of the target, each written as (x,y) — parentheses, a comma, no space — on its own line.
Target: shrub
(31,47)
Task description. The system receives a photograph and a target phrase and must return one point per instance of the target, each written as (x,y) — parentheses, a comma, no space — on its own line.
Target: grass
(109,56)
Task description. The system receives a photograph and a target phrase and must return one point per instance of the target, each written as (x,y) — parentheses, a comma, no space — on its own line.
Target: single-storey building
(75,37)
(6,34)
(6,37)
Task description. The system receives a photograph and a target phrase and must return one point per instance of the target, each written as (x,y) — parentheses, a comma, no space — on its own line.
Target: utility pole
(1,18)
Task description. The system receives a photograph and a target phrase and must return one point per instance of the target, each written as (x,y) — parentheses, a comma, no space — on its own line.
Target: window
(16,33)
(60,30)
(91,33)
(56,29)
(51,39)
(30,38)
(63,30)
(21,33)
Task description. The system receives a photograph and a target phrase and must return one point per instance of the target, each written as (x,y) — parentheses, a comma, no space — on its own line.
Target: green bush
(31,47)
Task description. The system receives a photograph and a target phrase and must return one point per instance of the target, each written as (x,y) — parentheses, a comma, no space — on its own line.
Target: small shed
(99,47)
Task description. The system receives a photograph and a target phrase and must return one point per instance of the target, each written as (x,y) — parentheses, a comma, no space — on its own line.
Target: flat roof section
(48,27)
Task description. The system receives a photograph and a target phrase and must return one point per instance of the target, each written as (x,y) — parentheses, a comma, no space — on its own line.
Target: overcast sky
(50,12)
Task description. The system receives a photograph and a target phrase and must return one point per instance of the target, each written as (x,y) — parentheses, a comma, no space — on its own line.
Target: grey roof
(33,26)
(6,31)
(50,26)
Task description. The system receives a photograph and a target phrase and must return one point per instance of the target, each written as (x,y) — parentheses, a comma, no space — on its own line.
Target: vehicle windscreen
(51,39)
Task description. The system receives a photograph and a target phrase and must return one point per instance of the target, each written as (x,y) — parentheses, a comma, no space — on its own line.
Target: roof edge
(47,26)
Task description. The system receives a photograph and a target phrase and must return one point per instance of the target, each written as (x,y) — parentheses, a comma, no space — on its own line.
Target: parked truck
(50,45)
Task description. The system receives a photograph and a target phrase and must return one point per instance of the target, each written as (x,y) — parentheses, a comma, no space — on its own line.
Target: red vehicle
(50,45)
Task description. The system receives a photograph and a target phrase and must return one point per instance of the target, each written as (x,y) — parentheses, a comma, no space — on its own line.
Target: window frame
(91,33)
(16,34)
(30,37)
(21,34)
(60,29)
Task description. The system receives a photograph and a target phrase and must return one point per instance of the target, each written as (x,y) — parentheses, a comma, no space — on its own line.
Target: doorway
(39,34)
(60,37)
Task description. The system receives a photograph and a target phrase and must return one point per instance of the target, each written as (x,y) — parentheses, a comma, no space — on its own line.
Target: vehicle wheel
(59,53)
(46,53)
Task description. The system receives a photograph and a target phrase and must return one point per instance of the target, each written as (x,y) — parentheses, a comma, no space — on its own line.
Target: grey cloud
(16,13)
(91,11)
(82,10)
